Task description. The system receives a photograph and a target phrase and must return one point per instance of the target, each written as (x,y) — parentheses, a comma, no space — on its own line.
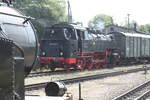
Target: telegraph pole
(69,13)
(128,21)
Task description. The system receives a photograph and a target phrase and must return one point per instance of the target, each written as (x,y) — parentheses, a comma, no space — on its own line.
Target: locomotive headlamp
(43,53)
(61,53)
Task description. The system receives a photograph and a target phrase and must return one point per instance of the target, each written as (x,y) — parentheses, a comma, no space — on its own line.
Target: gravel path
(104,89)
(41,79)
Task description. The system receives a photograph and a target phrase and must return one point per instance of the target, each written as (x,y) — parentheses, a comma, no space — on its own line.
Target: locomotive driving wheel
(81,64)
(52,66)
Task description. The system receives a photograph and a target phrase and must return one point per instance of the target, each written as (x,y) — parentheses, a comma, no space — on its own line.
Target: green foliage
(142,28)
(100,21)
(147,26)
(45,12)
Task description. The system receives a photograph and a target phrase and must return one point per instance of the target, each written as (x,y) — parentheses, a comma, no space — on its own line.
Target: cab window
(69,33)
(80,34)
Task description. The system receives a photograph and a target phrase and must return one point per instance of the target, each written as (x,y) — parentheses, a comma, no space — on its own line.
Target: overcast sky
(84,10)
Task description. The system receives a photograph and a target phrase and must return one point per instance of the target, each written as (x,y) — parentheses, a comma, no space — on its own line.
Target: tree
(142,28)
(147,26)
(45,12)
(100,21)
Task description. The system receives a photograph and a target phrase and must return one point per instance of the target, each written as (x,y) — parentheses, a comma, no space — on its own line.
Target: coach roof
(133,34)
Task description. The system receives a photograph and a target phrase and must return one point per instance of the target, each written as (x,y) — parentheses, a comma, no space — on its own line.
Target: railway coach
(133,47)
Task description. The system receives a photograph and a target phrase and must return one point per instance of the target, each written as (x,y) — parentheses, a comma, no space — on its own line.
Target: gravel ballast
(104,89)
(41,79)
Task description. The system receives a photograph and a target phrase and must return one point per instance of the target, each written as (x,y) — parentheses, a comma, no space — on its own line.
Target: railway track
(85,78)
(36,74)
(140,92)
(144,96)
(47,73)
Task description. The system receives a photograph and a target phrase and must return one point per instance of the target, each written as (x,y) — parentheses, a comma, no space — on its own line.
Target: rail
(85,78)
(144,96)
(132,92)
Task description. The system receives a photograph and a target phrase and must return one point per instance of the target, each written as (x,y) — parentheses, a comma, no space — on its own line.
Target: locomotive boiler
(70,46)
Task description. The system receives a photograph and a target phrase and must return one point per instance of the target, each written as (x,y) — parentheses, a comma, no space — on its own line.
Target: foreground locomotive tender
(18,52)
(71,46)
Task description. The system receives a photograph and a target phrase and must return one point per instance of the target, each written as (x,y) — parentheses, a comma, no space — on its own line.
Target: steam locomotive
(71,46)
(18,55)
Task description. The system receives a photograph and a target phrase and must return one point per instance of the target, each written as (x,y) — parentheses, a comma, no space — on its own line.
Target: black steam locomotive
(71,46)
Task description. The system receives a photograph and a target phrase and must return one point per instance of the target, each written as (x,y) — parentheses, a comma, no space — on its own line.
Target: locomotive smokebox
(55,89)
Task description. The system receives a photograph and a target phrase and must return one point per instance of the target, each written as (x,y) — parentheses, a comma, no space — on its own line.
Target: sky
(84,10)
